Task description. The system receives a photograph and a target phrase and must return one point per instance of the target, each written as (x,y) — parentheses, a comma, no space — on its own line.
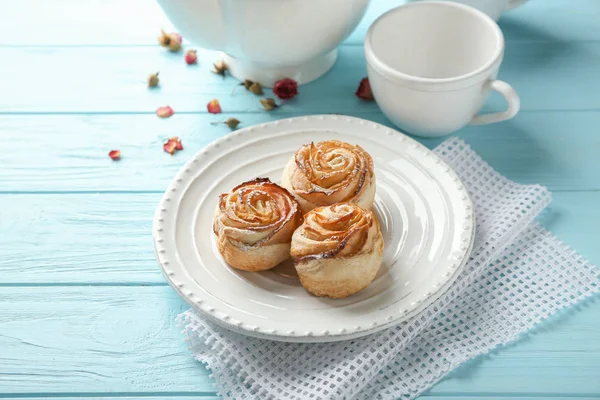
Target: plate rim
(170,268)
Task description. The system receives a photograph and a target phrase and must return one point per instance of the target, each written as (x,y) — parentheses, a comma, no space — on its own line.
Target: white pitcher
(493,8)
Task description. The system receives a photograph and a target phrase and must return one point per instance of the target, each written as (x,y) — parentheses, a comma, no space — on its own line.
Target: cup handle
(512,98)
(515,3)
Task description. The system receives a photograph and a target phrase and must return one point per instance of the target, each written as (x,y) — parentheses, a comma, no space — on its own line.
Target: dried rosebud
(268,104)
(174,42)
(232,123)
(114,154)
(191,57)
(164,112)
(247,83)
(213,106)
(364,90)
(220,68)
(153,80)
(170,40)
(164,39)
(256,88)
(285,88)
(252,86)
(172,145)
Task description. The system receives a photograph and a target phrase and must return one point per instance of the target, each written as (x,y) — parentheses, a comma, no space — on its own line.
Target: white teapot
(267,40)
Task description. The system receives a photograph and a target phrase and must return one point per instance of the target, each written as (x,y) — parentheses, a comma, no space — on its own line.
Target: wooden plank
(106,238)
(125,396)
(69,152)
(137,22)
(114,80)
(547,75)
(556,150)
(209,397)
(94,339)
(124,339)
(78,238)
(556,21)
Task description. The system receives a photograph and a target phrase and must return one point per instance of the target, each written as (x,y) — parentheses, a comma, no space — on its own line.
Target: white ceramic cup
(493,8)
(432,64)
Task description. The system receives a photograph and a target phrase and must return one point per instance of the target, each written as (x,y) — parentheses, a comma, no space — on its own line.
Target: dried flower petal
(285,88)
(268,104)
(153,80)
(178,144)
(213,106)
(164,112)
(220,68)
(364,90)
(172,145)
(115,154)
(169,147)
(191,57)
(256,88)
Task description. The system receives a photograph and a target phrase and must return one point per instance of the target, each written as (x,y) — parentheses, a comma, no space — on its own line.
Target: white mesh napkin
(518,274)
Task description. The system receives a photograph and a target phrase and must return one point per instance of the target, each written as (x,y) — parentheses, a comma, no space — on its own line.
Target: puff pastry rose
(338,249)
(254,224)
(330,172)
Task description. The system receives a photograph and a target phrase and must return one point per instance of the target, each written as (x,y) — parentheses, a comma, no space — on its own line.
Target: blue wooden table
(84,309)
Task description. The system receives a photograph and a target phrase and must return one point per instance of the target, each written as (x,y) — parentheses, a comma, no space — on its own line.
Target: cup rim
(390,72)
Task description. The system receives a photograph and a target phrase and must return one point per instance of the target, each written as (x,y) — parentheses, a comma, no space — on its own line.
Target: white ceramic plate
(425,213)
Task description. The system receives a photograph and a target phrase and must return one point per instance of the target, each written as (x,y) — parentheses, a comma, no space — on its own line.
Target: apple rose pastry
(330,172)
(254,224)
(337,250)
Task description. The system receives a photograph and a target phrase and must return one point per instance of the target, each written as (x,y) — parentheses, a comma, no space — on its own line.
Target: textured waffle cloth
(518,275)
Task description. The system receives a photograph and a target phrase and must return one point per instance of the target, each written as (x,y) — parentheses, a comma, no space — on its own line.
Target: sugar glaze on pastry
(254,224)
(330,172)
(337,250)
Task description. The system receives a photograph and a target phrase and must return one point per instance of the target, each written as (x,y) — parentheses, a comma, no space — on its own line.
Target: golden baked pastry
(330,172)
(337,250)
(254,224)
